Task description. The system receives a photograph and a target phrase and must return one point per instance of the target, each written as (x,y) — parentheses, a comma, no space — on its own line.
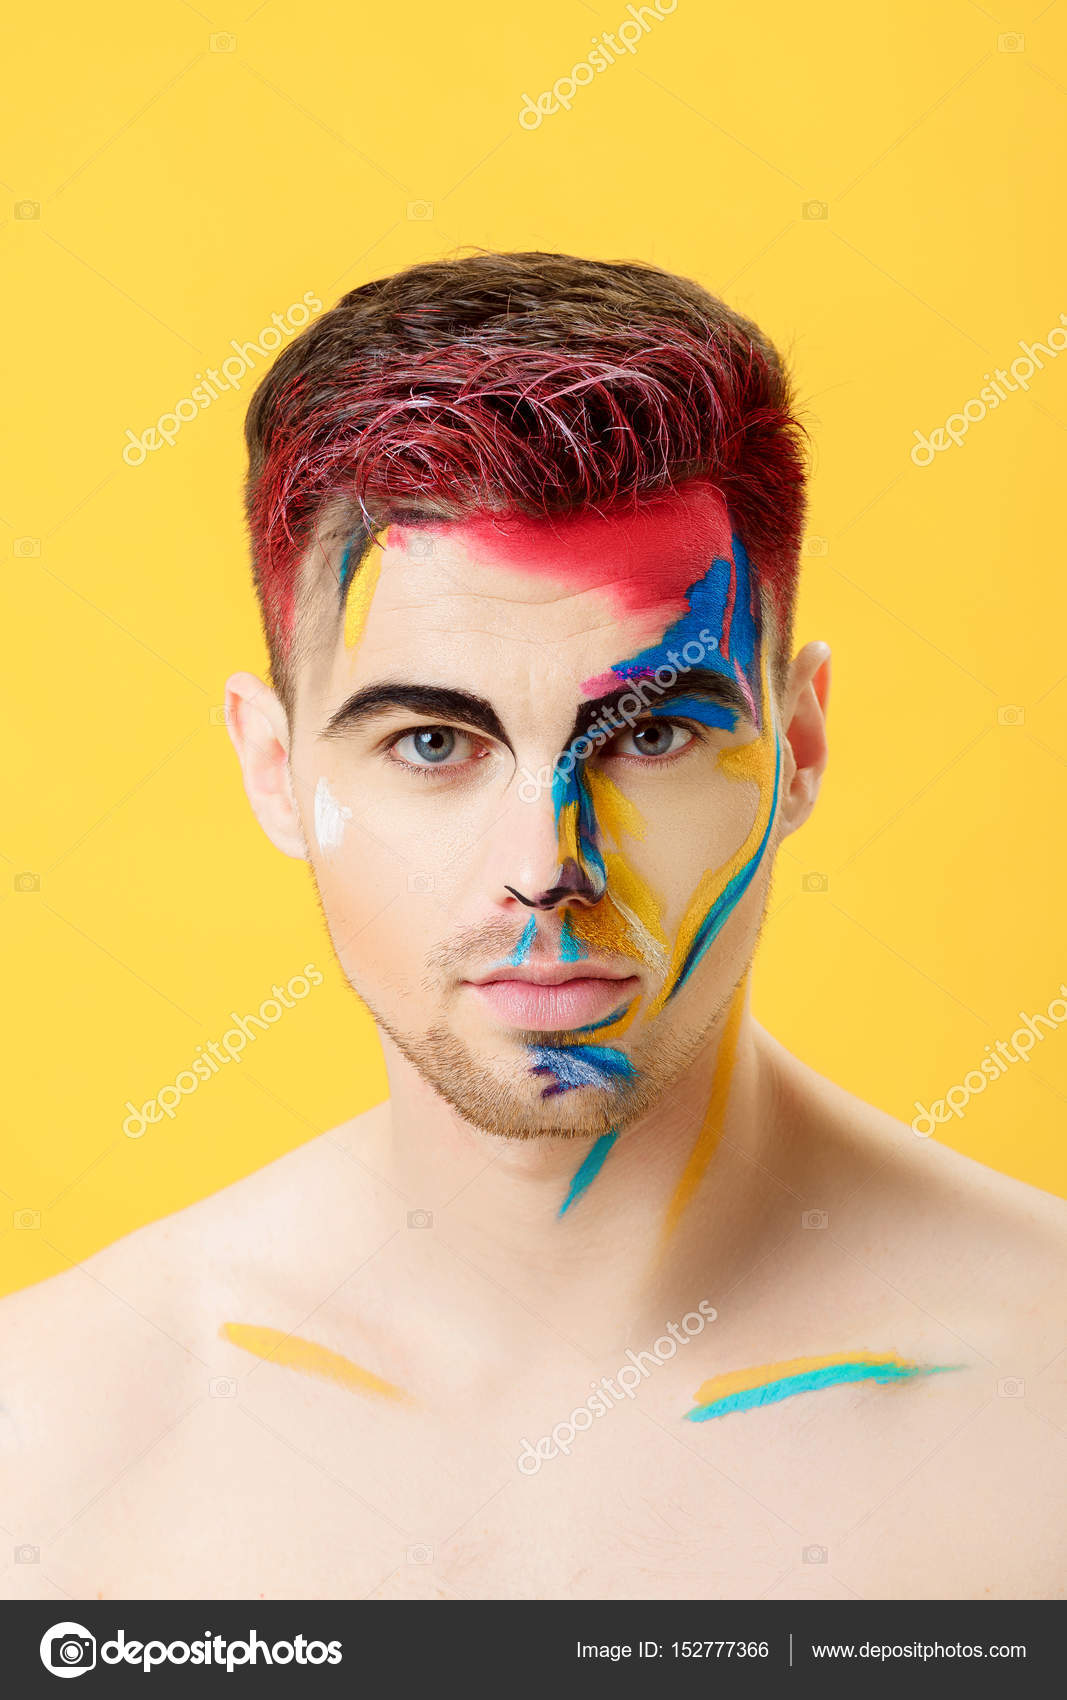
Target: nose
(566,867)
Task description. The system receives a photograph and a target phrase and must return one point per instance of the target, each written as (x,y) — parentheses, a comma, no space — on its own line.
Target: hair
(530,383)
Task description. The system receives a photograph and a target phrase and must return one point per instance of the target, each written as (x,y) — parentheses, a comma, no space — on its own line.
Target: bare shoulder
(99,1363)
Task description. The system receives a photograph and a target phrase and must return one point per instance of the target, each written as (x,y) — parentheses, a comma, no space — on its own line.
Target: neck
(669,1208)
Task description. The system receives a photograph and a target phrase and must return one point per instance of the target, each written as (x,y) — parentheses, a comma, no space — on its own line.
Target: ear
(259,727)
(804,717)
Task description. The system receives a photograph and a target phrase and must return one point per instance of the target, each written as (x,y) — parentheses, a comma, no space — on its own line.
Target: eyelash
(432,771)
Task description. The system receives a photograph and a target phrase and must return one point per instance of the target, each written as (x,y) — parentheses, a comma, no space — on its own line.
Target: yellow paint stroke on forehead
(754,761)
(707,1140)
(289,1351)
(363,584)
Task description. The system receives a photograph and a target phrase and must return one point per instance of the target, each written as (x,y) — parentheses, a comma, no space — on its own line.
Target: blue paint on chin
(588,1170)
(580,1065)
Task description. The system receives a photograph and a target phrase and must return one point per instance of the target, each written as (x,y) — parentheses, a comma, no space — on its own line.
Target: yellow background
(188,187)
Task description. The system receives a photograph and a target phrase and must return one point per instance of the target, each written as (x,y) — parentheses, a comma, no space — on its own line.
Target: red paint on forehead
(647,555)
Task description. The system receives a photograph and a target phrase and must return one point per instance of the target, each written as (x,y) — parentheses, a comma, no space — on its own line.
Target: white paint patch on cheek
(330,818)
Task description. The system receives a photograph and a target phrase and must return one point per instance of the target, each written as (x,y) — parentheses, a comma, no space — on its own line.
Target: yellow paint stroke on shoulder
(290,1351)
(743,1380)
(707,1139)
(361,590)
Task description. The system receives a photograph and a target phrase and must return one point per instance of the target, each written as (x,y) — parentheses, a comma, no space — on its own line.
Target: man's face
(542,861)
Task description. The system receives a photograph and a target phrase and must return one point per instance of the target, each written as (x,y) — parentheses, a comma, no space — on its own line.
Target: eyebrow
(439,703)
(705,683)
(433,701)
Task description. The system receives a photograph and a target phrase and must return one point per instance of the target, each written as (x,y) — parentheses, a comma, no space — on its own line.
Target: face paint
(747,1389)
(289,1351)
(719,630)
(358,582)
(589,1169)
(330,818)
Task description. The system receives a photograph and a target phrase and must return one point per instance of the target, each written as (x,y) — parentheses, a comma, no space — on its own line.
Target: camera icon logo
(1010,1387)
(223,42)
(27,209)
(68,1649)
(815,209)
(217,714)
(815,1555)
(27,547)
(816,546)
(223,1387)
(815,882)
(1010,714)
(420,1218)
(1011,43)
(814,1219)
(26,1218)
(420,1555)
(421,884)
(420,209)
(27,882)
(27,1555)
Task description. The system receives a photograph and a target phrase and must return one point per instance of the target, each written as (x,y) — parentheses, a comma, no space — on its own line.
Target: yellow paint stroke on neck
(707,1139)
(741,1380)
(289,1351)
(361,589)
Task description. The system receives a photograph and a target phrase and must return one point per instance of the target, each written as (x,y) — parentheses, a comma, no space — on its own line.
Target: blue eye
(430,744)
(652,739)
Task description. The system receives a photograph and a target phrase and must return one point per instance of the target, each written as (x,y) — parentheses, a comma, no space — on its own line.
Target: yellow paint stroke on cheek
(289,1351)
(361,590)
(754,761)
(707,1139)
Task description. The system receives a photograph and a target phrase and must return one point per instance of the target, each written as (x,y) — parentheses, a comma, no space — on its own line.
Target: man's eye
(653,738)
(435,746)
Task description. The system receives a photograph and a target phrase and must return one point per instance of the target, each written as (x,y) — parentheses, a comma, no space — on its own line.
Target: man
(613,1297)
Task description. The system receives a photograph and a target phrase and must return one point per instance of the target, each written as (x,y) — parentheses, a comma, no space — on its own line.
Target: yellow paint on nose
(290,1351)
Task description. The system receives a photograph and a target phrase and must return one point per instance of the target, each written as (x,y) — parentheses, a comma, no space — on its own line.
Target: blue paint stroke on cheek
(732,892)
(812,1381)
(607,1021)
(580,1065)
(588,1170)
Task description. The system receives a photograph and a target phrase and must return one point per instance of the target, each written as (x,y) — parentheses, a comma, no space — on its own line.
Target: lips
(553,997)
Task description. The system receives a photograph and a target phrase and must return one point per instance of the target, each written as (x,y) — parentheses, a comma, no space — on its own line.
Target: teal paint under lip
(580,1065)
(812,1381)
(589,1168)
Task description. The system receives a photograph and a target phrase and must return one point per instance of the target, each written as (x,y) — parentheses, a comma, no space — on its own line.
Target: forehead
(609,579)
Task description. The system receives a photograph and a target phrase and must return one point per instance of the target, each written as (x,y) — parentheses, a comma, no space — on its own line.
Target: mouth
(553,997)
